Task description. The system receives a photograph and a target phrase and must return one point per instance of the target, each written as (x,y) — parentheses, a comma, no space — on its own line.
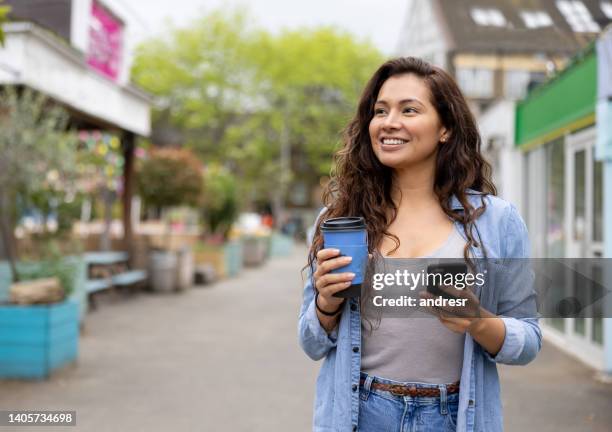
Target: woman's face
(406,128)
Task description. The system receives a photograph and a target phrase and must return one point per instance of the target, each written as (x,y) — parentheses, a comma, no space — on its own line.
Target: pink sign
(105,42)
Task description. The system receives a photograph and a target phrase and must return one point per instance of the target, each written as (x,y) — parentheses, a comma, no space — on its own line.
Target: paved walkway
(226,358)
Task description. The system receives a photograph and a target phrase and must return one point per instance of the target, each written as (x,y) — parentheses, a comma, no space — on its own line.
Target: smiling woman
(405,129)
(411,167)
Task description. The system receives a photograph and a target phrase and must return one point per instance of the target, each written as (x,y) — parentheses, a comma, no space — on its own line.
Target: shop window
(555,193)
(582,293)
(598,295)
(535,198)
(579,194)
(597,200)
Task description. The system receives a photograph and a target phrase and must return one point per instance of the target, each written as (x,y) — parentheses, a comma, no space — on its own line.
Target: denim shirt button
(353,307)
(354,428)
(471,402)
(354,387)
(355,349)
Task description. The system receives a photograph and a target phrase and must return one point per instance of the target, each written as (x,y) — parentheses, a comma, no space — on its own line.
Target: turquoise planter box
(280,245)
(35,340)
(232,252)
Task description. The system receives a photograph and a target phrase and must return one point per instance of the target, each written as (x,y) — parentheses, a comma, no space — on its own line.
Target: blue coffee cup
(349,235)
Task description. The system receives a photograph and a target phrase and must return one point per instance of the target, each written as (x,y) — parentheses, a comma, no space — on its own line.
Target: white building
(496,50)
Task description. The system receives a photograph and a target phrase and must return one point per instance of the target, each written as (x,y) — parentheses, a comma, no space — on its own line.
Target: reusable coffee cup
(349,235)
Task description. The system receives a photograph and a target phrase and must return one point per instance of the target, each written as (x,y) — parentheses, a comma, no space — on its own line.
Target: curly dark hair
(361,184)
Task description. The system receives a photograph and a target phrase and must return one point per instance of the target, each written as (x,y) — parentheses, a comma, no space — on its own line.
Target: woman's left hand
(459,319)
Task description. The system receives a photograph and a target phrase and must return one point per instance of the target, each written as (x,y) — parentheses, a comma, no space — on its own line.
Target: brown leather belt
(412,390)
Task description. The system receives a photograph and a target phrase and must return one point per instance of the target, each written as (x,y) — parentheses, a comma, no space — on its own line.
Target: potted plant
(168,178)
(34,338)
(219,211)
(39,325)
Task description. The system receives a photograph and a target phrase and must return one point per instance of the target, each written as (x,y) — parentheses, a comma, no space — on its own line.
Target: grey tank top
(416,348)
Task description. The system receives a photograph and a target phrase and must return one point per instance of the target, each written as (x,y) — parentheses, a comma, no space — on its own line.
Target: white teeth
(393,141)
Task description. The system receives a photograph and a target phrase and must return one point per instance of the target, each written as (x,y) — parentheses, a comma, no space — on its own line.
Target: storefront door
(584,234)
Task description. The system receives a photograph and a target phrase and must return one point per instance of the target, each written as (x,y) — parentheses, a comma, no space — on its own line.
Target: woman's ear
(444,135)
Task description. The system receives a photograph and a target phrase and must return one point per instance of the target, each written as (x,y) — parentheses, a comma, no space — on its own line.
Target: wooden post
(128,191)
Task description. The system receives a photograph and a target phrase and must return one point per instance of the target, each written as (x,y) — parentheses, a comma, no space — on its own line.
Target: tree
(256,101)
(34,142)
(310,80)
(220,199)
(4,10)
(202,76)
(170,177)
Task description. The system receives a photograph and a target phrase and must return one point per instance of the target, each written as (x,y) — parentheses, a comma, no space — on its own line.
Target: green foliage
(170,177)
(38,155)
(200,75)
(220,199)
(55,266)
(64,205)
(35,146)
(4,10)
(239,94)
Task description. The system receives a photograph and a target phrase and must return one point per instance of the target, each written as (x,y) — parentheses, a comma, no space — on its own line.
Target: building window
(555,194)
(516,83)
(597,228)
(476,83)
(488,17)
(606,8)
(536,19)
(578,16)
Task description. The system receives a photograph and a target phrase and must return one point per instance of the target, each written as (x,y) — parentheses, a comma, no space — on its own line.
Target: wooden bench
(111,280)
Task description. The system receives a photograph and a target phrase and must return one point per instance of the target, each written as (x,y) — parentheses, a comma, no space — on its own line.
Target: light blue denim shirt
(336,408)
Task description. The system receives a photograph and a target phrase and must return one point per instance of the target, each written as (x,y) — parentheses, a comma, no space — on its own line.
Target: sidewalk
(555,393)
(226,358)
(219,358)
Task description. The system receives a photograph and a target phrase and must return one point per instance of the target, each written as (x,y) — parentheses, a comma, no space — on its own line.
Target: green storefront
(564,189)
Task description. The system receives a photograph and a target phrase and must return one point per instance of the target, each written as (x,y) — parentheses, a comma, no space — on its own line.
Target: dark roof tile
(515,36)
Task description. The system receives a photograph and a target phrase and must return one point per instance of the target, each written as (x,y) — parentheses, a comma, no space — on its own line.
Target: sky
(376,20)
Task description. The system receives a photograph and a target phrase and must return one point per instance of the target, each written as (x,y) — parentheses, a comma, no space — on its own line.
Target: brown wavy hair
(361,185)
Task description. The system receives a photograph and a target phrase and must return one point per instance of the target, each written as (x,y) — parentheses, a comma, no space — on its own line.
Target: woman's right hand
(328,283)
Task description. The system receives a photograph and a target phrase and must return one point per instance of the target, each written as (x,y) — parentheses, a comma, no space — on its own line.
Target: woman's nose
(391,121)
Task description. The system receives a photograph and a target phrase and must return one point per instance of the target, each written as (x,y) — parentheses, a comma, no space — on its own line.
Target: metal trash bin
(162,270)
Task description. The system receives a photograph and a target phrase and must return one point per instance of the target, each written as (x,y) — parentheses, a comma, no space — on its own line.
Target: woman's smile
(392,144)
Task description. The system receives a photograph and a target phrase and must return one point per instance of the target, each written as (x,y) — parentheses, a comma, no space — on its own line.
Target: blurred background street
(228,359)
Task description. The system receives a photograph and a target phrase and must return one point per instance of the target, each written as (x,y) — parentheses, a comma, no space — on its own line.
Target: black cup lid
(344,224)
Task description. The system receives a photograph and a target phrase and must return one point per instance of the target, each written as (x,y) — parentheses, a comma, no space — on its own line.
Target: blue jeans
(383,411)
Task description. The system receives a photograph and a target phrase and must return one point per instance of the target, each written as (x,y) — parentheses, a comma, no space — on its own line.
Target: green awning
(564,104)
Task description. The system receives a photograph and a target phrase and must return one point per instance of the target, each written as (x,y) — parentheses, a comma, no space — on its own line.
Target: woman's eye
(379,111)
(410,110)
